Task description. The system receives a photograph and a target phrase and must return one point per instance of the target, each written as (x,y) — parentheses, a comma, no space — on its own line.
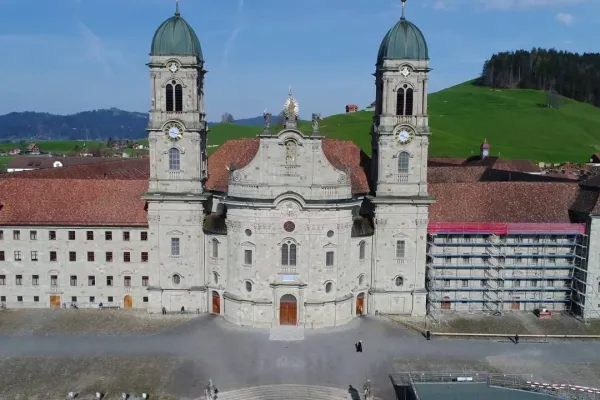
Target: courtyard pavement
(180,361)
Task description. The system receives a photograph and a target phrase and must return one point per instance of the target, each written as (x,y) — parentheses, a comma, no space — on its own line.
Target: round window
(329,233)
(399,281)
(174,82)
(289,226)
(248,232)
(248,286)
(328,287)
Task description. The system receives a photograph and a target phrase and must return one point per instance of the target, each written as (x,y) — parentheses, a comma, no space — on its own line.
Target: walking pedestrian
(164,311)
(517,338)
(359,346)
(182,310)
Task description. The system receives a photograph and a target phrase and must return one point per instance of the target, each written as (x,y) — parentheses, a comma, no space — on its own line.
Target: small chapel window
(288,254)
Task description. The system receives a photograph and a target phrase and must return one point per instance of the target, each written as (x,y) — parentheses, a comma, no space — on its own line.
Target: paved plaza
(176,363)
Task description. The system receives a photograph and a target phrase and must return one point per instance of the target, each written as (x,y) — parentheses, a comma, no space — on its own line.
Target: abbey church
(293,228)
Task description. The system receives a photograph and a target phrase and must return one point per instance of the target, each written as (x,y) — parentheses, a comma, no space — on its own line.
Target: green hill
(514,122)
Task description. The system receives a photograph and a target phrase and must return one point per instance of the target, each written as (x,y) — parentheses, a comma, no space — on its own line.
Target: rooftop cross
(403,4)
(290,91)
(177,8)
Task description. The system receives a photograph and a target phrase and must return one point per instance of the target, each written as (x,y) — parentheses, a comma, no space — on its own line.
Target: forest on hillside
(572,75)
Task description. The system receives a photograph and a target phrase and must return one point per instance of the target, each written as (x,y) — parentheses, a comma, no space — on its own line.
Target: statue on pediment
(315,123)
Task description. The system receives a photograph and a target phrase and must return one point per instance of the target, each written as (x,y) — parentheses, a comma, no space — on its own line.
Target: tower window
(178,98)
(403,159)
(174,159)
(400,102)
(404,101)
(169,97)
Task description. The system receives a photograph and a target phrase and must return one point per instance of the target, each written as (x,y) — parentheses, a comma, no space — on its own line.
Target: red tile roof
(72,202)
(40,162)
(235,153)
(119,168)
(455,174)
(343,154)
(536,202)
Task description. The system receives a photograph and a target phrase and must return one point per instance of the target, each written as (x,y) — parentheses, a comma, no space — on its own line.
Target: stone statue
(368,390)
(290,152)
(267,117)
(210,392)
(315,123)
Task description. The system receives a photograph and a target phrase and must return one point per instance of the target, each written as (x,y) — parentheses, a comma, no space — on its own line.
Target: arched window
(361,250)
(176,279)
(328,287)
(174,97)
(169,97)
(178,98)
(288,254)
(399,281)
(215,278)
(174,159)
(403,159)
(248,286)
(400,102)
(361,280)
(404,100)
(215,248)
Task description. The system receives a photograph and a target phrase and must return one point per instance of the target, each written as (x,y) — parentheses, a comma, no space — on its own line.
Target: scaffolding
(538,255)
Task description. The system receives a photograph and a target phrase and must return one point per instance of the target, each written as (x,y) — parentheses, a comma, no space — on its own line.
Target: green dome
(175,37)
(403,42)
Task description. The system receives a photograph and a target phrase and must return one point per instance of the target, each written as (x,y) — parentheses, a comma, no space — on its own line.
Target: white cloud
(565,18)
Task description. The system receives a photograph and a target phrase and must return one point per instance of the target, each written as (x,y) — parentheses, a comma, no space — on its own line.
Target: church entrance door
(216,303)
(360,304)
(288,310)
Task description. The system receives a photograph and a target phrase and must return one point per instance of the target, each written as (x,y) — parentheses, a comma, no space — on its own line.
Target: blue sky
(65,56)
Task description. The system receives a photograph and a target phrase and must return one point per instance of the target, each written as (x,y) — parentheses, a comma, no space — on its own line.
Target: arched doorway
(360,304)
(216,302)
(445,305)
(288,314)
(127,302)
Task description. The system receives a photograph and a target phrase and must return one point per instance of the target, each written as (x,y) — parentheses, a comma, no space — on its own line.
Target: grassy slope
(461,117)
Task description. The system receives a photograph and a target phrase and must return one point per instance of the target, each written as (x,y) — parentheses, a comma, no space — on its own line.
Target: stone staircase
(290,392)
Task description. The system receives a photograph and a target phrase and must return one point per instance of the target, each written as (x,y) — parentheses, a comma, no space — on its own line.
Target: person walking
(517,338)
(359,348)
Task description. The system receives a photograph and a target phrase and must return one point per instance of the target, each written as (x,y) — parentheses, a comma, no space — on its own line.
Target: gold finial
(177,8)
(403,4)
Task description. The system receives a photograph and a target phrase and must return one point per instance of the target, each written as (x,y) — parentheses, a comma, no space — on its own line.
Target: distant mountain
(92,125)
(88,125)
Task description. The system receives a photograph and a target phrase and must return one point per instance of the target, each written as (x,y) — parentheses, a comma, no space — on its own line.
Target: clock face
(173,131)
(405,71)
(404,136)
(486,153)
(173,68)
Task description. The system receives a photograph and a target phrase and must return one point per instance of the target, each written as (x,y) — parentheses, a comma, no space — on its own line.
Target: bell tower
(177,129)
(400,139)
(400,143)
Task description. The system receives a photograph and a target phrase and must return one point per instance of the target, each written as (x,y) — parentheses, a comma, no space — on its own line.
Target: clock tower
(177,127)
(178,162)
(400,143)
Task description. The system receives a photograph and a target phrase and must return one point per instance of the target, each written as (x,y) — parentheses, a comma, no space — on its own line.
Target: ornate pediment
(174,233)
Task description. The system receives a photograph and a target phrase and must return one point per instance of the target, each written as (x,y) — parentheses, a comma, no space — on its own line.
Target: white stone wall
(63,268)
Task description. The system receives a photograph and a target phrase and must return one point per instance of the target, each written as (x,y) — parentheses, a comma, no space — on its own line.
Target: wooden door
(360,304)
(127,302)
(216,303)
(516,305)
(54,301)
(445,305)
(288,314)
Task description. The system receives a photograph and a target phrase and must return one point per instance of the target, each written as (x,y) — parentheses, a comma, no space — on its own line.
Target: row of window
(289,252)
(91,256)
(515,283)
(35,280)
(502,261)
(92,299)
(72,235)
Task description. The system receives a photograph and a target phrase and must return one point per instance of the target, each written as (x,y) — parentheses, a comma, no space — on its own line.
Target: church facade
(291,238)
(291,227)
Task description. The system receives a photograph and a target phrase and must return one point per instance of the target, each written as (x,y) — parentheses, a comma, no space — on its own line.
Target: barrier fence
(507,381)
